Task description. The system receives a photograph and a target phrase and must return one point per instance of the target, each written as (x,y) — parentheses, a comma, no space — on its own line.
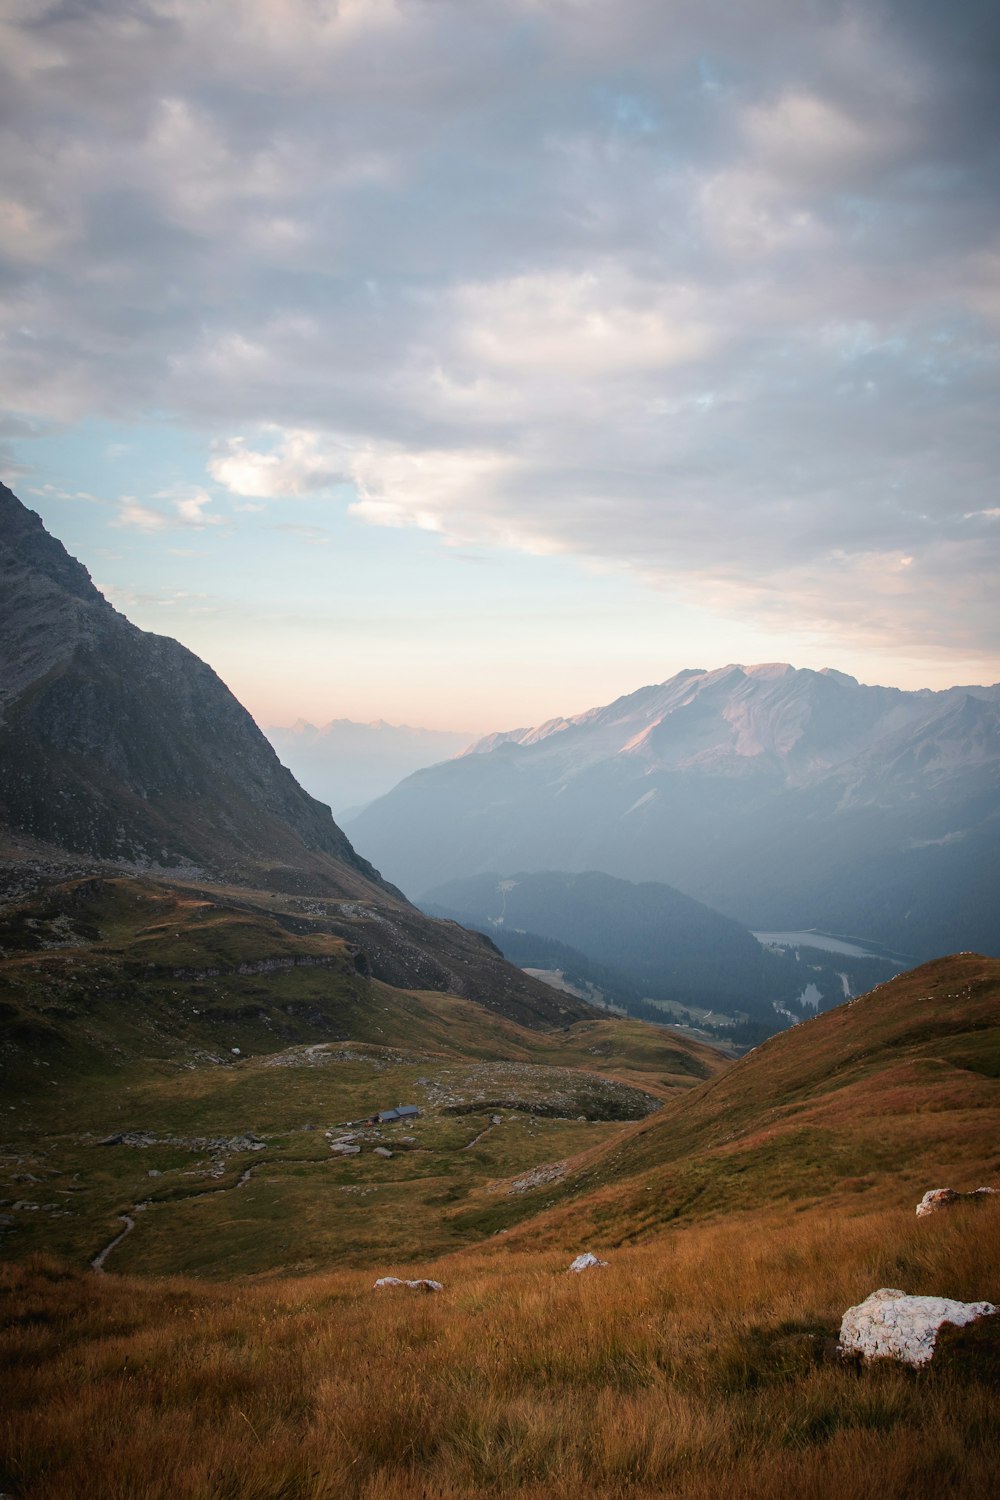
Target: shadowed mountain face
(124,745)
(783,798)
(122,749)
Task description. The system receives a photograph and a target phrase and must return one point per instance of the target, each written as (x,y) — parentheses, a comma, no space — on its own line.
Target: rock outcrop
(891,1325)
(937,1198)
(586,1262)
(422,1284)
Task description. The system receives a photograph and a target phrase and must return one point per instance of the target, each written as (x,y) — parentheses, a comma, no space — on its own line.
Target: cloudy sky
(465,362)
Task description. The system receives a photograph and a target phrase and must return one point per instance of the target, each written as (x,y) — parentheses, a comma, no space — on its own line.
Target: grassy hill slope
(221,1042)
(740,1221)
(889,1094)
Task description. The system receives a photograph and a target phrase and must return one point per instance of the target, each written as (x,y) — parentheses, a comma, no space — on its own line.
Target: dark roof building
(401,1112)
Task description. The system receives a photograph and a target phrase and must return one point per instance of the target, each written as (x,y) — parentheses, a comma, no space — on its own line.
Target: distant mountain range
(347,764)
(121,752)
(781,797)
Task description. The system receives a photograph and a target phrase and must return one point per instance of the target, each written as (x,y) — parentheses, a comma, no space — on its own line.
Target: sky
(467,362)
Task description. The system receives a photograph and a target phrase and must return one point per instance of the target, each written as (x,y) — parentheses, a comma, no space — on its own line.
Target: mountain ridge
(782,797)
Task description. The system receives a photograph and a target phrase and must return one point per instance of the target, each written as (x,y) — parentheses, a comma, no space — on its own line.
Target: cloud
(140,517)
(707,294)
(299,464)
(193,510)
(188,509)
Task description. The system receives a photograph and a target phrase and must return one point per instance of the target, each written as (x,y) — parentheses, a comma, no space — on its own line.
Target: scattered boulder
(937,1198)
(586,1261)
(383,1151)
(421,1285)
(538,1177)
(891,1325)
(344,1148)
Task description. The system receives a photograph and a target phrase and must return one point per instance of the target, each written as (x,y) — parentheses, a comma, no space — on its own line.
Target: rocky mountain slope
(124,745)
(121,751)
(783,798)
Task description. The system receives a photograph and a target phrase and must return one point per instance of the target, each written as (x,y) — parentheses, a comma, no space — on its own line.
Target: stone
(892,1325)
(383,1151)
(937,1198)
(538,1177)
(344,1148)
(421,1285)
(586,1261)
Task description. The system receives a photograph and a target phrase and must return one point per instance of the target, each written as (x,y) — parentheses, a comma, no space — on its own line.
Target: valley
(233,1269)
(177,1030)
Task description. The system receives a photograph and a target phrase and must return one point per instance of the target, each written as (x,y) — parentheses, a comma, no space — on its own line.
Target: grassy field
(695,1366)
(236,1349)
(190,1026)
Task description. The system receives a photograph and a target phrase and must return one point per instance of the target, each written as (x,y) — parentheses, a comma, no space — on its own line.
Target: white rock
(235,1051)
(382,1151)
(585,1261)
(938,1198)
(344,1148)
(422,1285)
(891,1325)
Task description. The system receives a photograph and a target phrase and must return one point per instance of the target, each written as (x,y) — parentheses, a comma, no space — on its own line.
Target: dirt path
(477,1138)
(97,1264)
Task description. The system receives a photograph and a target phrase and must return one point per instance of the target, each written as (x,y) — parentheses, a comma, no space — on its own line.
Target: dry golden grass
(690,1367)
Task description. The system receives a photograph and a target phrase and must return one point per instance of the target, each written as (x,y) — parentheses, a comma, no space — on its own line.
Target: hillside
(783,798)
(888,1094)
(198,1052)
(738,1224)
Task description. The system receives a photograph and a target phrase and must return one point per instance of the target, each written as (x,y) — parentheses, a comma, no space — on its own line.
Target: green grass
(123,1002)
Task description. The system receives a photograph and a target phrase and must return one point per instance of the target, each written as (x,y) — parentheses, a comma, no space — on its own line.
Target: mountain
(124,745)
(782,797)
(121,751)
(348,765)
